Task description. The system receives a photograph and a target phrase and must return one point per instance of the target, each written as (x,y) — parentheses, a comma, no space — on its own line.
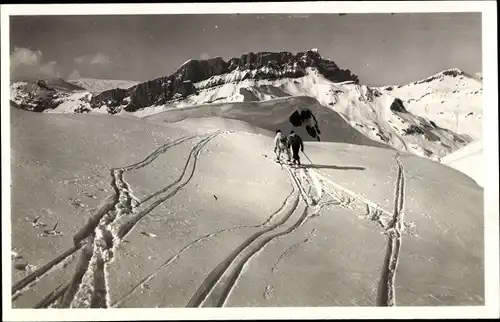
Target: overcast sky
(382,49)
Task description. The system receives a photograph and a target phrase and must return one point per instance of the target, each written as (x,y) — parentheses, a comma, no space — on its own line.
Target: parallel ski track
(213,277)
(87,233)
(100,297)
(178,184)
(79,239)
(236,273)
(387,286)
(173,258)
(42,271)
(238,259)
(51,297)
(233,279)
(86,236)
(229,277)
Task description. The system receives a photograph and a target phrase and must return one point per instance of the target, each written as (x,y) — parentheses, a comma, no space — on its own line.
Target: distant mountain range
(431,117)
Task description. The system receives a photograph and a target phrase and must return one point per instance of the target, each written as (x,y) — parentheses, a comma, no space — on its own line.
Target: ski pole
(307,157)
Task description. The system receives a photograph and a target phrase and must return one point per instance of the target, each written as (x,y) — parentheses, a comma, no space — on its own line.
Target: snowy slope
(78,102)
(95,85)
(275,114)
(468,160)
(451,98)
(190,216)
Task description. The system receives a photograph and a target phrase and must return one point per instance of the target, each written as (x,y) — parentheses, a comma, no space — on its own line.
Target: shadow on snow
(324,166)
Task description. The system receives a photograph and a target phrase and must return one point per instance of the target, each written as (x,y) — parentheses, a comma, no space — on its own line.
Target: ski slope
(195,213)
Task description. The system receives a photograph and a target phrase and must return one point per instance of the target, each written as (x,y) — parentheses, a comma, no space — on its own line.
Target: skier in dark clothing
(295,142)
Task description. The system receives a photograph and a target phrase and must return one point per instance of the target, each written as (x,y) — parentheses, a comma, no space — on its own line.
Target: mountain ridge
(421,117)
(96,85)
(260,66)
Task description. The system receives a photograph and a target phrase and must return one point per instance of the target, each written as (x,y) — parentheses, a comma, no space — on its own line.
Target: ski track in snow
(21,286)
(387,287)
(103,232)
(213,278)
(100,296)
(88,286)
(290,250)
(172,259)
(51,297)
(226,275)
(123,229)
(92,222)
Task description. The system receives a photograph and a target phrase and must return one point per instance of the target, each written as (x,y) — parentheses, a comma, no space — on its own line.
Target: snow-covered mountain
(431,117)
(452,99)
(49,95)
(95,85)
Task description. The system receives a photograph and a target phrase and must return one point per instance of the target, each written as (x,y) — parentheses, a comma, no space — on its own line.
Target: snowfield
(187,208)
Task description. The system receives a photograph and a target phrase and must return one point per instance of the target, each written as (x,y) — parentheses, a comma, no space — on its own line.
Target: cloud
(25,56)
(79,60)
(100,59)
(297,16)
(204,56)
(75,75)
(93,59)
(28,64)
(49,68)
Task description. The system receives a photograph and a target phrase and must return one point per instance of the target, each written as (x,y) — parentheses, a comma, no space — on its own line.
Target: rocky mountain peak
(258,66)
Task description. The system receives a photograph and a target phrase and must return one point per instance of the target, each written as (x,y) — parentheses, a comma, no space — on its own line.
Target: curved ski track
(118,215)
(218,285)
(226,274)
(98,239)
(290,250)
(173,258)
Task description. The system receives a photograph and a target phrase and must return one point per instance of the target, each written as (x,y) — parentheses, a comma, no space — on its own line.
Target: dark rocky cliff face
(263,65)
(113,99)
(39,96)
(398,106)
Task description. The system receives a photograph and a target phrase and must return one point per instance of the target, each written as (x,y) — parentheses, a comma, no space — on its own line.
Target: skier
(281,145)
(295,142)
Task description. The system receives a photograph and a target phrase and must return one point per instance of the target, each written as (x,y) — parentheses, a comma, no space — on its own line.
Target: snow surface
(468,160)
(215,212)
(272,115)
